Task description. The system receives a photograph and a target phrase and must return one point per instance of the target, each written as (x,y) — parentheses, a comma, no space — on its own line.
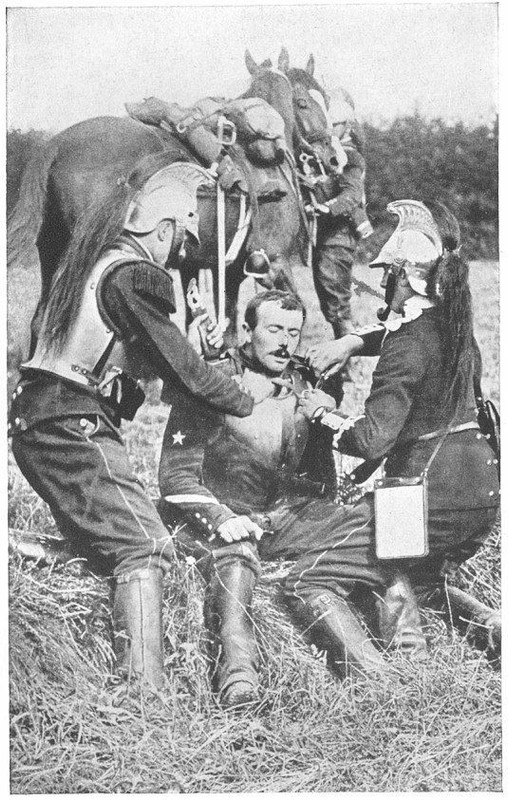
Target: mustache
(281,352)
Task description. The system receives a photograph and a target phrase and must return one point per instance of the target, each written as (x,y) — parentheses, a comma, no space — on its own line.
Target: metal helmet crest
(171,193)
(415,244)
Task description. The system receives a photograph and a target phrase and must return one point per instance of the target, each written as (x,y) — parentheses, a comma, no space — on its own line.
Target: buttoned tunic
(66,437)
(406,403)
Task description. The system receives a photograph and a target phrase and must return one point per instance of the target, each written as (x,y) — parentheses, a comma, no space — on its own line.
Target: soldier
(342,218)
(108,313)
(421,412)
(264,487)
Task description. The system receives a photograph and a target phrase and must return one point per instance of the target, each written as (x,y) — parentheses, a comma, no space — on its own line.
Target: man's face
(275,338)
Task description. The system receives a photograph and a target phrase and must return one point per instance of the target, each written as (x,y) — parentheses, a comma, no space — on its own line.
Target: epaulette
(153,281)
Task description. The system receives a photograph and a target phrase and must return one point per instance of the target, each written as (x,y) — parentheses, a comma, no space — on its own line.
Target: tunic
(66,438)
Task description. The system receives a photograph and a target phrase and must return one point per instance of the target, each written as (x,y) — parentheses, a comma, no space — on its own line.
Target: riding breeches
(79,466)
(333,263)
(333,546)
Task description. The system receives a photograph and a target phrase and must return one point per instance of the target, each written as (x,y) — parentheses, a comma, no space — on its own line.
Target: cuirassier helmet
(415,244)
(171,193)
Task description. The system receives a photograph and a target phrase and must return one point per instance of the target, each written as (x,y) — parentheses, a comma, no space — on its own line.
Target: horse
(83,165)
(305,86)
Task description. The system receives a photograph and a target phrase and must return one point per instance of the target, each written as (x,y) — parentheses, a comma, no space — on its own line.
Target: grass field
(437,729)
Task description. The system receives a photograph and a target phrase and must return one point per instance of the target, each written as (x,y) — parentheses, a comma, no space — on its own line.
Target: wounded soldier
(238,491)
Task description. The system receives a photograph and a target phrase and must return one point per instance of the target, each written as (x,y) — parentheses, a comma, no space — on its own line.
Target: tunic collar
(414,306)
(128,242)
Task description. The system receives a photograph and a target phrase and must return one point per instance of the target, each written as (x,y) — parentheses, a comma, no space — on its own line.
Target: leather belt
(465,426)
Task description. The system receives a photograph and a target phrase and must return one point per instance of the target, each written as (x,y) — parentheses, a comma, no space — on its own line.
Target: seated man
(264,488)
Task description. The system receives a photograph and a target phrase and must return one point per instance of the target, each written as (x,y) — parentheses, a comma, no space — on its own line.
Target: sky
(69,63)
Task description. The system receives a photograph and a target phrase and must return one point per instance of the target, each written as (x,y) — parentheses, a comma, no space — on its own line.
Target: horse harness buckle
(226,131)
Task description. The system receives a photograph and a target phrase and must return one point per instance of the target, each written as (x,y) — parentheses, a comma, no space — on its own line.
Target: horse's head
(273,86)
(310,103)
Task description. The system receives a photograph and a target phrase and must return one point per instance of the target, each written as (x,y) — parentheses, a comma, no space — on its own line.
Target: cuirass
(275,431)
(89,334)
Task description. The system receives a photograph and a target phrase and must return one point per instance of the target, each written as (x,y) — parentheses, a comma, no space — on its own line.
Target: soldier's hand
(214,333)
(312,399)
(337,352)
(237,528)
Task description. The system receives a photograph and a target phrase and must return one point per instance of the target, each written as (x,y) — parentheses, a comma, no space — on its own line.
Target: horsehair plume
(95,230)
(448,286)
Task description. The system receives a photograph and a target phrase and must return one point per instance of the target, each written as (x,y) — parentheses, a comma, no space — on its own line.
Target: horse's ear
(284,60)
(250,63)
(310,65)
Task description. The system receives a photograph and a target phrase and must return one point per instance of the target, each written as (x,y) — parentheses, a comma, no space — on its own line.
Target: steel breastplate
(88,338)
(275,431)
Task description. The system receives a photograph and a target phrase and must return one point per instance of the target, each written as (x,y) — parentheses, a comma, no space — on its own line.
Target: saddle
(212,124)
(210,129)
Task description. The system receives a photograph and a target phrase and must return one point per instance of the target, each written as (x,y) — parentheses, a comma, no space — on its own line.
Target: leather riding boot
(399,620)
(333,626)
(228,615)
(137,626)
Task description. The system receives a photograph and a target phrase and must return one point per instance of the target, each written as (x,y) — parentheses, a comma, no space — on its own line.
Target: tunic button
(210,526)
(495,461)
(19,390)
(491,494)
(198,516)
(489,462)
(478,436)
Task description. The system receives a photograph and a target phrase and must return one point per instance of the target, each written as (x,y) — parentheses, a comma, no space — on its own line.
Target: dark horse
(89,163)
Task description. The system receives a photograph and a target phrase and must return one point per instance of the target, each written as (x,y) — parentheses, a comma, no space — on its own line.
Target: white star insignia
(178,437)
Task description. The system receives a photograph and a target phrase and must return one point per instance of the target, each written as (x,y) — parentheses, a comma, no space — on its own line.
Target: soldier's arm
(351,188)
(185,498)
(395,383)
(365,341)
(138,299)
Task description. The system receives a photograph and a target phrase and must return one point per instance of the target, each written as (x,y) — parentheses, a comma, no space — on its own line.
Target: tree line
(411,157)
(453,163)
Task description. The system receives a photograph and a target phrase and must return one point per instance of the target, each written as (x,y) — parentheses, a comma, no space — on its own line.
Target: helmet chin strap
(383,313)
(178,251)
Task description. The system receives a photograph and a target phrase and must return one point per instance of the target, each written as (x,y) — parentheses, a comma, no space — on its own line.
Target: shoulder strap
(107,271)
(438,447)
(101,363)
